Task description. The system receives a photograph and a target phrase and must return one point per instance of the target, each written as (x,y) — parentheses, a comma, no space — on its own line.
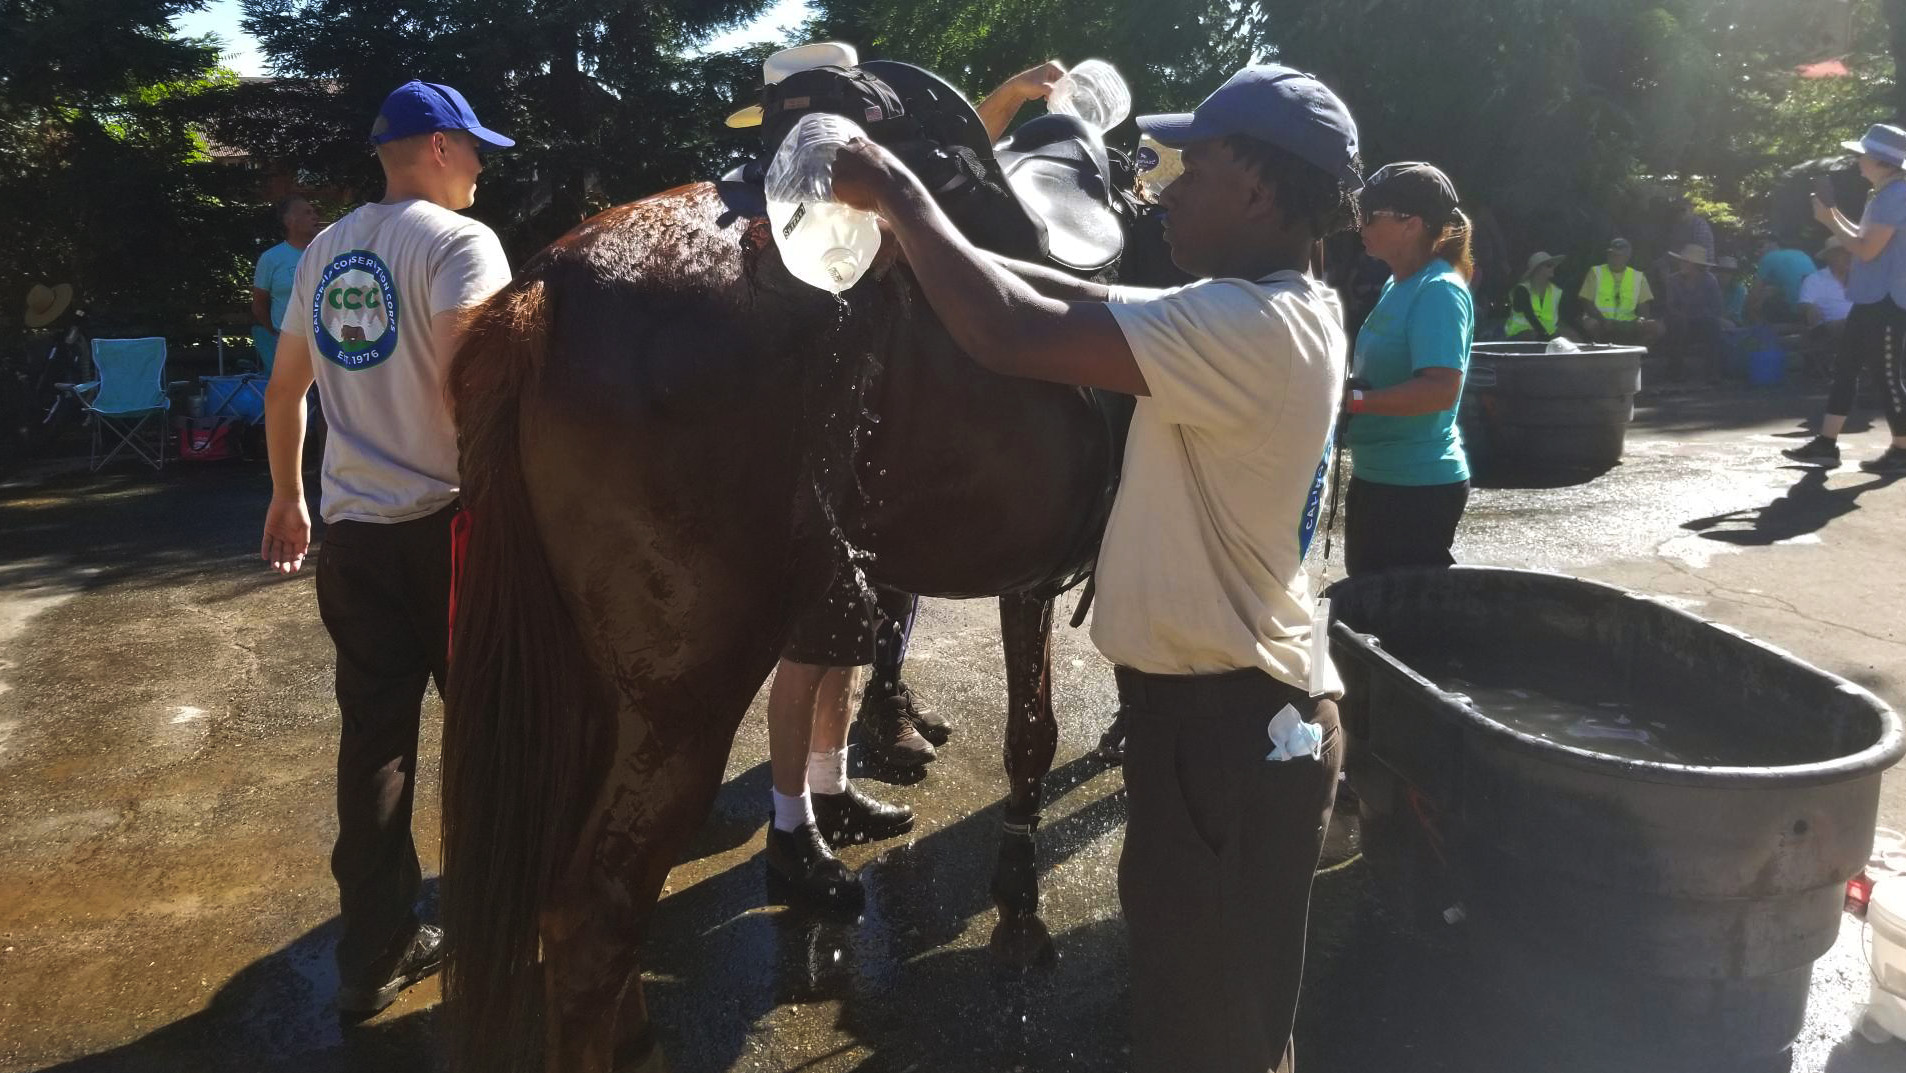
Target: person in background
(1535,304)
(1690,228)
(1410,478)
(1696,316)
(1778,274)
(379,301)
(1824,304)
(271,280)
(1617,301)
(1727,272)
(1874,340)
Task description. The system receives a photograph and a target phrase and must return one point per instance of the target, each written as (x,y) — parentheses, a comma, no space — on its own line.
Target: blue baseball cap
(422,107)
(1275,104)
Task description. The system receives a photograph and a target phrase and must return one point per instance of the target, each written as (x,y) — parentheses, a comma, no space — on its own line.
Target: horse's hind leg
(1020,937)
(593,928)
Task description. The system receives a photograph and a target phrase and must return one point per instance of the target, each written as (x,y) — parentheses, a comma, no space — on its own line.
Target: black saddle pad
(1056,166)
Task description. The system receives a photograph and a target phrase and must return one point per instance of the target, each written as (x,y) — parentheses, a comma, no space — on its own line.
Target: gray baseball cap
(1275,104)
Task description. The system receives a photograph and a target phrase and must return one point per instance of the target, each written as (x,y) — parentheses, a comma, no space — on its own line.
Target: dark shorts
(841,628)
(1215,876)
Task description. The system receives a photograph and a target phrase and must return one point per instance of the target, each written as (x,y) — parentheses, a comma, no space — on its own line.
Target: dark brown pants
(384,595)
(1220,847)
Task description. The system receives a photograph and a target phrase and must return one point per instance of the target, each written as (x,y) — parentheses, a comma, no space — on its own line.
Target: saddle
(1047,193)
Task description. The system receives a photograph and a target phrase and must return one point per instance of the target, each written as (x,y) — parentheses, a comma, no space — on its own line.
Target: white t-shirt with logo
(1202,568)
(365,292)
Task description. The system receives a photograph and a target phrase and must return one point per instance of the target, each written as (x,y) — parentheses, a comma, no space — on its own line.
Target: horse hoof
(1024,943)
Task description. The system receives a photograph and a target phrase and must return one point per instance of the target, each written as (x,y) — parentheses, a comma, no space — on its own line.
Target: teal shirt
(1423,322)
(276,268)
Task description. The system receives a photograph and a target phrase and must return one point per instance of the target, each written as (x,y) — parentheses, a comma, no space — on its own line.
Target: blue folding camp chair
(128,402)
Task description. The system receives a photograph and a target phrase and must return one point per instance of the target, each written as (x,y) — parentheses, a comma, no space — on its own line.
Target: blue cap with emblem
(1275,104)
(422,107)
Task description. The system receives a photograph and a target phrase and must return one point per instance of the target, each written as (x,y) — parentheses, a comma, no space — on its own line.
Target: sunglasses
(1388,213)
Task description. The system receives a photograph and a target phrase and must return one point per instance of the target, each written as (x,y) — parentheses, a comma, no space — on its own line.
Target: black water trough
(1527,409)
(1668,905)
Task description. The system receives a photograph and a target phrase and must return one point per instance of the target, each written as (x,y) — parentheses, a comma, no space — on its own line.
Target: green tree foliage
(1559,118)
(1171,53)
(606,98)
(104,179)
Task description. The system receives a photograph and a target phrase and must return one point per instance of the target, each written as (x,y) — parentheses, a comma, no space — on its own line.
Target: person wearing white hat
(1535,304)
(1696,317)
(1874,339)
(45,304)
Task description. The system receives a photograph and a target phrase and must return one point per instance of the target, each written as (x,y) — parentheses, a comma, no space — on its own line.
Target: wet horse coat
(669,446)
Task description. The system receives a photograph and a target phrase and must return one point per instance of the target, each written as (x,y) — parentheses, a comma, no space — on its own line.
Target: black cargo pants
(1220,847)
(384,595)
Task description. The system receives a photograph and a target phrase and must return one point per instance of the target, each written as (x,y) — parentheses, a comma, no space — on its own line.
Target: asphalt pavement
(167,735)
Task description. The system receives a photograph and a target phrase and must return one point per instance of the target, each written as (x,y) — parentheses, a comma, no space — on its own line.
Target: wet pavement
(166,737)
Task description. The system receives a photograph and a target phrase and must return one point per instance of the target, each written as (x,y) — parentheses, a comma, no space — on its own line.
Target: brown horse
(669,446)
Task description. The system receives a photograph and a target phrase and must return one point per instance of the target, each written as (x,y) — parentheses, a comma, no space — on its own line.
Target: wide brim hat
(1883,141)
(1694,253)
(791,61)
(1833,243)
(45,304)
(1540,258)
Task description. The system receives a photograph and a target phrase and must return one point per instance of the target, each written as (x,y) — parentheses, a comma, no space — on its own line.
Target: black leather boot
(851,816)
(802,863)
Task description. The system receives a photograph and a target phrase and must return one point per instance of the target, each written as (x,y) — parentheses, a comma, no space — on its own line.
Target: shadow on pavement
(1685,409)
(143,528)
(279,1013)
(1805,507)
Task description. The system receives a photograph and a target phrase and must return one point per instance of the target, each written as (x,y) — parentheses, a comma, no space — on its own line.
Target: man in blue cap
(1203,605)
(373,320)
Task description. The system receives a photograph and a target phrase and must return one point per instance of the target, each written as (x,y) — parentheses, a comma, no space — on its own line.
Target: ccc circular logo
(354,314)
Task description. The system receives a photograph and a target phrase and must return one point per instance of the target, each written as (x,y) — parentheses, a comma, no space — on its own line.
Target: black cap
(1412,188)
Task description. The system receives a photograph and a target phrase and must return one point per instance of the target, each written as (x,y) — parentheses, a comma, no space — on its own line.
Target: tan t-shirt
(1202,569)
(363,297)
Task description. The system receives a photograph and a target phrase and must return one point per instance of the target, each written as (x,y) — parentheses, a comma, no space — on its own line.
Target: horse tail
(521,708)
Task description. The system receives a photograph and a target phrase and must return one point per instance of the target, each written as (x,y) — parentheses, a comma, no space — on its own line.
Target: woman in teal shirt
(1410,478)
(271,282)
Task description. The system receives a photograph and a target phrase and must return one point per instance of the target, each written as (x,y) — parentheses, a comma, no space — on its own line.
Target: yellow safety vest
(1615,298)
(1546,307)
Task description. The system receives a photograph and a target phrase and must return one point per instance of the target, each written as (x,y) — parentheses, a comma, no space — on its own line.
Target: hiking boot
(421,958)
(931,725)
(1820,449)
(1893,461)
(851,816)
(889,734)
(800,861)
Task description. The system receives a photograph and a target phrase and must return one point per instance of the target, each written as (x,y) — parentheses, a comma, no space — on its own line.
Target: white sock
(791,811)
(827,772)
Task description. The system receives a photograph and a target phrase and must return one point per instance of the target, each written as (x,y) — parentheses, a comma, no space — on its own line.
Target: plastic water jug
(1095,92)
(823,242)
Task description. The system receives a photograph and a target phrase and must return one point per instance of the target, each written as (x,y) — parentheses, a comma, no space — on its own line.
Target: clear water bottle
(823,242)
(1095,92)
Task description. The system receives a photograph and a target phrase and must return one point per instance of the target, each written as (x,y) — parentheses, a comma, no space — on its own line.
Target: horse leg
(594,926)
(1020,938)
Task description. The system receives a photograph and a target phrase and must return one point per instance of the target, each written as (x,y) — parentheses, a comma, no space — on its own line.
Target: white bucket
(1886,916)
